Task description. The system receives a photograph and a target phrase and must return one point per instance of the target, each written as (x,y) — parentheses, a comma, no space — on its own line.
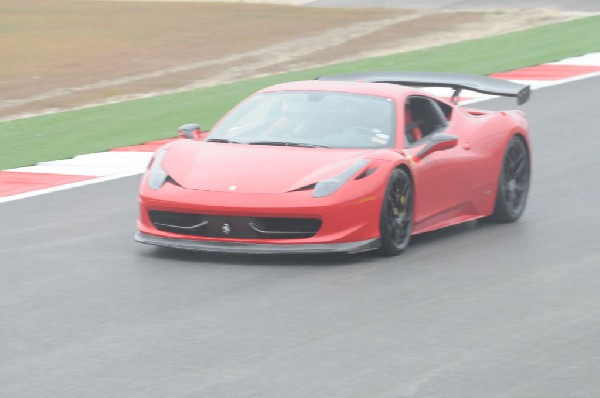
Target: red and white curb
(58,175)
(46,177)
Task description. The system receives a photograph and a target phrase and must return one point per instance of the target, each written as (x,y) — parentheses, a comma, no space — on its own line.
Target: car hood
(253,168)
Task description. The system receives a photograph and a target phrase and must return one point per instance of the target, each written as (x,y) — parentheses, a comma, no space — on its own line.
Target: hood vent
(366,173)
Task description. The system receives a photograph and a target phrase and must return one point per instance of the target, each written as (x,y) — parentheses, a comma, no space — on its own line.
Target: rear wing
(456,81)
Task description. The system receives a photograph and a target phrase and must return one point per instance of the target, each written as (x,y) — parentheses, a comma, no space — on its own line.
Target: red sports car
(343,163)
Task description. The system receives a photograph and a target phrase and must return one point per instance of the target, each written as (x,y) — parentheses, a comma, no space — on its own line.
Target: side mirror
(437,142)
(191,131)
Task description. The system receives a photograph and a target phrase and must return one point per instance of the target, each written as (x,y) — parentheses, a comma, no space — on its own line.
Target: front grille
(217,226)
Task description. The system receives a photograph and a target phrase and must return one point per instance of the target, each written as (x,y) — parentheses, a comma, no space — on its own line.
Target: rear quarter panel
(485,135)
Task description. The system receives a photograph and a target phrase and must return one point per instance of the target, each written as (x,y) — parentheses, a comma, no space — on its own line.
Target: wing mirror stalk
(192,131)
(437,142)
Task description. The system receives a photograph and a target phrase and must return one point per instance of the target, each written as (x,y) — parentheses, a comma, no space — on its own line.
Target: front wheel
(396,214)
(513,184)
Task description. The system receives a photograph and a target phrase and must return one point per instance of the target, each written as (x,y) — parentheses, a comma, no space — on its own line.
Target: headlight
(156,175)
(332,184)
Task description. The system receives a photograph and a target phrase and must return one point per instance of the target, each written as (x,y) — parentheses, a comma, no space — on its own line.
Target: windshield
(312,119)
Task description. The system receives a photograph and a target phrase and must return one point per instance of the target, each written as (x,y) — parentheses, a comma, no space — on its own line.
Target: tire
(396,219)
(513,184)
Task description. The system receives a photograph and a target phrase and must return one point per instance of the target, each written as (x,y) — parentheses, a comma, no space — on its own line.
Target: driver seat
(412,131)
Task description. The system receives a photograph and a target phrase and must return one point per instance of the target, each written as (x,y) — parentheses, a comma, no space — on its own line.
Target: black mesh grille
(218,226)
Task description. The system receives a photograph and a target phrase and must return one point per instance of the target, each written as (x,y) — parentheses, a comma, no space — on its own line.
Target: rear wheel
(513,184)
(396,214)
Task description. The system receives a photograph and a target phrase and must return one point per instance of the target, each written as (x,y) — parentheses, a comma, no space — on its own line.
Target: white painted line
(141,158)
(94,164)
(447,92)
(592,59)
(551,83)
(115,156)
(535,84)
(472,95)
(67,186)
(75,170)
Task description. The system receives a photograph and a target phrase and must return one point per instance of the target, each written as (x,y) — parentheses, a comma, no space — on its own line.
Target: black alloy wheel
(397,214)
(513,185)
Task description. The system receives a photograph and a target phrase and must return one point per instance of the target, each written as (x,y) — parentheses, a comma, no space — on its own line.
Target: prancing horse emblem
(226,228)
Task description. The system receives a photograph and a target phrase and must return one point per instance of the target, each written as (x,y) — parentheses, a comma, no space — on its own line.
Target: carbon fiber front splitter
(258,248)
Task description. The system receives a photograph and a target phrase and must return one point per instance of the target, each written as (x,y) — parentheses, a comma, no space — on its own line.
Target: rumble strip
(117,163)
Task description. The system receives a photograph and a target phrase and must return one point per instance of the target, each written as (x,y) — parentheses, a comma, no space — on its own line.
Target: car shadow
(418,242)
(445,233)
(317,260)
(455,231)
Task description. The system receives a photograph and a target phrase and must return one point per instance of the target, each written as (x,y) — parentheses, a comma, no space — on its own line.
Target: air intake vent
(219,226)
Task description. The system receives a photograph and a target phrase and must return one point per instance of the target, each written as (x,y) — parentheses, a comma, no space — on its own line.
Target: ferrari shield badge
(226,229)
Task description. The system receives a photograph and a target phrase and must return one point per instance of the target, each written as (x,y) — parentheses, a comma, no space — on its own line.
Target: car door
(440,183)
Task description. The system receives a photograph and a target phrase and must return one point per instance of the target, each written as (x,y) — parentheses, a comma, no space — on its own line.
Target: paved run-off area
(468,312)
(472,311)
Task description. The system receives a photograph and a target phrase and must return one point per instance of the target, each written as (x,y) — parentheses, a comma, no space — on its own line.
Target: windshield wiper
(223,140)
(286,143)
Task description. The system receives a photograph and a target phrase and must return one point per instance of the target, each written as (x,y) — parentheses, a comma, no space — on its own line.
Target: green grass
(64,135)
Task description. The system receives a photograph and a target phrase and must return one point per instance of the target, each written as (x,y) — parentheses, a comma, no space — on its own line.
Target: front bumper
(259,248)
(349,218)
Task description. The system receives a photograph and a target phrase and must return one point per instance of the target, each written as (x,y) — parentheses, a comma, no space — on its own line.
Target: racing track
(471,311)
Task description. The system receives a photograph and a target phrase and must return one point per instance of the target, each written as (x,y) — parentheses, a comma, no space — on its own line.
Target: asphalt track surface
(571,5)
(477,310)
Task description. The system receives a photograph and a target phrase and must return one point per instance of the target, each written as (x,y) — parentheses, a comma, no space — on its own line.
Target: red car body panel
(264,170)
(451,186)
(460,184)
(343,221)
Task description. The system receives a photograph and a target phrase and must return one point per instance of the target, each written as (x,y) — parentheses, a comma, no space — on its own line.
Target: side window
(445,108)
(422,117)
